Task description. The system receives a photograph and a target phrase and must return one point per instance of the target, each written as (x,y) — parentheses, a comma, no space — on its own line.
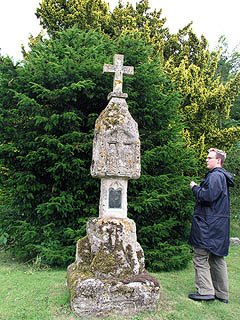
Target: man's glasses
(210,158)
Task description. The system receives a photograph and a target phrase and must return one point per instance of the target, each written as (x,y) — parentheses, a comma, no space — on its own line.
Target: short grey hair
(220,154)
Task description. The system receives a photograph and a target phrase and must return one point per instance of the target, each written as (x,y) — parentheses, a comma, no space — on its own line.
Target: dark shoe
(199,297)
(222,300)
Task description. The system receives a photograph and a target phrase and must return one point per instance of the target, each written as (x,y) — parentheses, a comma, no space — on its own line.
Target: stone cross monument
(109,273)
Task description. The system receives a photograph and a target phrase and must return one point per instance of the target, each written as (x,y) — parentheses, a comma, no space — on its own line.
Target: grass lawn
(32,294)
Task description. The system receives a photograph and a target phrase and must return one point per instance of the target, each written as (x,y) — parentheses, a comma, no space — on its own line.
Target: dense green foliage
(58,15)
(47,120)
(228,67)
(48,106)
(207,100)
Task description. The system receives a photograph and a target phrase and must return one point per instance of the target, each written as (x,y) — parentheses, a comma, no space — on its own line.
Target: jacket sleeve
(210,190)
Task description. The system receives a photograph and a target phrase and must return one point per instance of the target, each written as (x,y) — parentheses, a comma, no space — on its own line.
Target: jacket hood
(227,174)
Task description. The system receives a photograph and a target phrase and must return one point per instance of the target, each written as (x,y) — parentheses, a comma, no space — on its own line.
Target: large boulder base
(109,274)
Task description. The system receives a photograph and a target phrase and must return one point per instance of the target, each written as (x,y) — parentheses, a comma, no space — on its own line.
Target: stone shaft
(115,157)
(113,198)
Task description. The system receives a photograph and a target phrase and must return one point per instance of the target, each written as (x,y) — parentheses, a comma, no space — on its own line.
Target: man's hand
(192,184)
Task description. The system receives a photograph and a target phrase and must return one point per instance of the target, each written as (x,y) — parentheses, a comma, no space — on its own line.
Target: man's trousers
(211,276)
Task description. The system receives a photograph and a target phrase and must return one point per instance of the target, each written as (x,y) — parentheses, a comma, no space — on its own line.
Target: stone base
(109,273)
(95,297)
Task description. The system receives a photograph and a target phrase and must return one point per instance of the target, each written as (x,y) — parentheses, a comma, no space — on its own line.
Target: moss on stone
(140,254)
(112,116)
(129,256)
(84,251)
(77,274)
(122,224)
(112,261)
(108,265)
(125,291)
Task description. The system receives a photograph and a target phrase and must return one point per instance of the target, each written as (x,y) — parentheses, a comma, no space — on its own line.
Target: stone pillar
(113,198)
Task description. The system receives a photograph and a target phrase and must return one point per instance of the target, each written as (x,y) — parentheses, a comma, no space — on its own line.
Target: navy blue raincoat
(211,220)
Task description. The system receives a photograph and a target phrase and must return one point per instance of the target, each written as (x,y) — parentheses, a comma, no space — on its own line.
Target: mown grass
(235,214)
(28,293)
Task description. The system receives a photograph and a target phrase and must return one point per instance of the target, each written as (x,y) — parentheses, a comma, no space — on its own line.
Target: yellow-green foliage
(57,15)
(147,25)
(206,103)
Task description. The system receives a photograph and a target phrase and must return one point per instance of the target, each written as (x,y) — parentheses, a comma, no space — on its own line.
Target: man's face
(212,161)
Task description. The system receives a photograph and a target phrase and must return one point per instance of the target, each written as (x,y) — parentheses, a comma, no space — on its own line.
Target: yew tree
(228,67)
(47,112)
(206,100)
(46,135)
(58,15)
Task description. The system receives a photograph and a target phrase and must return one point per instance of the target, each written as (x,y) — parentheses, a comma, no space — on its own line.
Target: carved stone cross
(119,70)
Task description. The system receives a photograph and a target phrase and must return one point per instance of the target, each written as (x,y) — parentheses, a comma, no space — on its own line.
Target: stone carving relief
(116,147)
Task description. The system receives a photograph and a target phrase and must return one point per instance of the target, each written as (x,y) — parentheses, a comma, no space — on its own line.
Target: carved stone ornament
(116,145)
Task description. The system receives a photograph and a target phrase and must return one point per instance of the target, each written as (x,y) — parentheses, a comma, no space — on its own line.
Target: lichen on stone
(83,254)
(111,116)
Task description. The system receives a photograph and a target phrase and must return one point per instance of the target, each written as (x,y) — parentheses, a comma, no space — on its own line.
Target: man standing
(210,229)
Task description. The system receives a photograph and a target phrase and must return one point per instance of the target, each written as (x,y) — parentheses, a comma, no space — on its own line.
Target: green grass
(235,214)
(235,207)
(28,293)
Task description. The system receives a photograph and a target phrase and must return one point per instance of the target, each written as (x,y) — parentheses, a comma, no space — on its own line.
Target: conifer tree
(47,111)
(58,15)
(228,67)
(206,103)
(46,144)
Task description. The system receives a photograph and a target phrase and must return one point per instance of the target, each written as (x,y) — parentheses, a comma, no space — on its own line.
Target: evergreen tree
(206,104)
(58,15)
(47,123)
(228,66)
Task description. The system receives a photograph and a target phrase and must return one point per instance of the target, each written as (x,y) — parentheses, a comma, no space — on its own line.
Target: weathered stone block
(116,144)
(109,272)
(99,298)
